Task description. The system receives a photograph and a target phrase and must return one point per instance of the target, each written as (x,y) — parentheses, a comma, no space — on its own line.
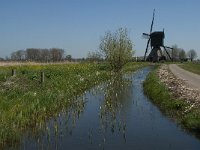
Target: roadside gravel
(179,84)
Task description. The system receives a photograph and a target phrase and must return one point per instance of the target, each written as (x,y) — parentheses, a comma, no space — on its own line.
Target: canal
(114,115)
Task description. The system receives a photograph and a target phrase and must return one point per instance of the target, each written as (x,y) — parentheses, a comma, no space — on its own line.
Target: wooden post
(42,76)
(13,72)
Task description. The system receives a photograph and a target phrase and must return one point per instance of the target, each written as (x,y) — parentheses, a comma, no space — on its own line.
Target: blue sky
(77,25)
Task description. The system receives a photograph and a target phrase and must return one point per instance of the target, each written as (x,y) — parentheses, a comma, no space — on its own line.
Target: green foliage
(133,66)
(192,120)
(159,94)
(117,48)
(171,106)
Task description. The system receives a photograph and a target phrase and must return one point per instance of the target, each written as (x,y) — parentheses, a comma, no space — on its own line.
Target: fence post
(13,72)
(42,76)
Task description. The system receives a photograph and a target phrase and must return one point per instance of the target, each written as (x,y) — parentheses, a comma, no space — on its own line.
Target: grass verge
(172,107)
(192,67)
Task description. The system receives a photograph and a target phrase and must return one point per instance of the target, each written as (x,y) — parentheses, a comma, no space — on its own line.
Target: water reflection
(114,115)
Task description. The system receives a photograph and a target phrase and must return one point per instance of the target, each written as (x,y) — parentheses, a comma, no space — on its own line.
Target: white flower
(81,79)
(97,73)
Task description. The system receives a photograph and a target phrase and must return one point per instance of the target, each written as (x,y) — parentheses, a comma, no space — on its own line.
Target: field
(26,102)
(192,67)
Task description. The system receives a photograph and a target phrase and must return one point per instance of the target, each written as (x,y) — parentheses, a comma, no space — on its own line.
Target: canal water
(115,115)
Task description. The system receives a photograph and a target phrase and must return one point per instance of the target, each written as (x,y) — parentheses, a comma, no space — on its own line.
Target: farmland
(192,67)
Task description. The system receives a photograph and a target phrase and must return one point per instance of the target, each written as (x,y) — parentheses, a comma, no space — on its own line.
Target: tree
(94,56)
(117,48)
(45,55)
(57,54)
(182,54)
(18,55)
(192,54)
(175,52)
(68,57)
(32,54)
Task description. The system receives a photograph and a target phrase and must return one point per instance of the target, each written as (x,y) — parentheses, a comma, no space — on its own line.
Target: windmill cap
(157,34)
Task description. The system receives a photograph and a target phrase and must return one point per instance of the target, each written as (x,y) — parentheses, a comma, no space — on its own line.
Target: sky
(78,25)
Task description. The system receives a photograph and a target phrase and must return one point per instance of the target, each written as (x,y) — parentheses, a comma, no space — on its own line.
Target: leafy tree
(117,48)
(192,54)
(68,57)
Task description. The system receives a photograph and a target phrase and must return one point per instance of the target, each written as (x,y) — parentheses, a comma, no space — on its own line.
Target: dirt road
(193,80)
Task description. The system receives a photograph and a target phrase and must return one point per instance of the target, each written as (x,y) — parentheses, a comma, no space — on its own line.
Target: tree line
(40,55)
(179,54)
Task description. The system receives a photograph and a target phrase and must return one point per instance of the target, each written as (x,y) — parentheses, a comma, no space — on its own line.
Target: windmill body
(156,39)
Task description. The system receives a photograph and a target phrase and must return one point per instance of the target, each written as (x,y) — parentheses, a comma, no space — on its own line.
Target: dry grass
(17,63)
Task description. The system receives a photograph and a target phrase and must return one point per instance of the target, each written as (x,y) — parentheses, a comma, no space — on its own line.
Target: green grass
(160,95)
(192,67)
(26,103)
(130,67)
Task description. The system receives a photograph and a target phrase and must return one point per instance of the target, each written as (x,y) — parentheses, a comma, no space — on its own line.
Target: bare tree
(18,55)
(32,54)
(45,55)
(36,54)
(94,56)
(57,54)
(192,54)
(182,54)
(175,52)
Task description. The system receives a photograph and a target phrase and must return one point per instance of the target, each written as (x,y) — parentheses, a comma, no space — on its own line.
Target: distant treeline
(40,55)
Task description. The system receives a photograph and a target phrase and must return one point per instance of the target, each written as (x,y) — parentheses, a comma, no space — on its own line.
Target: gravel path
(193,80)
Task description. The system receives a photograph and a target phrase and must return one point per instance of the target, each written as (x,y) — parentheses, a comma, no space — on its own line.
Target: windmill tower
(156,39)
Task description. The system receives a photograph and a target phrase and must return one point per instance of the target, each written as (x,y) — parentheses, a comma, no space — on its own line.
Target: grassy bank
(171,106)
(192,67)
(26,103)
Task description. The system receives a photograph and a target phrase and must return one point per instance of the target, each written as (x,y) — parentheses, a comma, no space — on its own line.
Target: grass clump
(171,106)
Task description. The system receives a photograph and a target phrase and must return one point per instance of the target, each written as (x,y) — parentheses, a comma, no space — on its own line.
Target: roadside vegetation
(171,106)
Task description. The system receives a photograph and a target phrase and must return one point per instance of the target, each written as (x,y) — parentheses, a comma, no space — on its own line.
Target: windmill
(156,39)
